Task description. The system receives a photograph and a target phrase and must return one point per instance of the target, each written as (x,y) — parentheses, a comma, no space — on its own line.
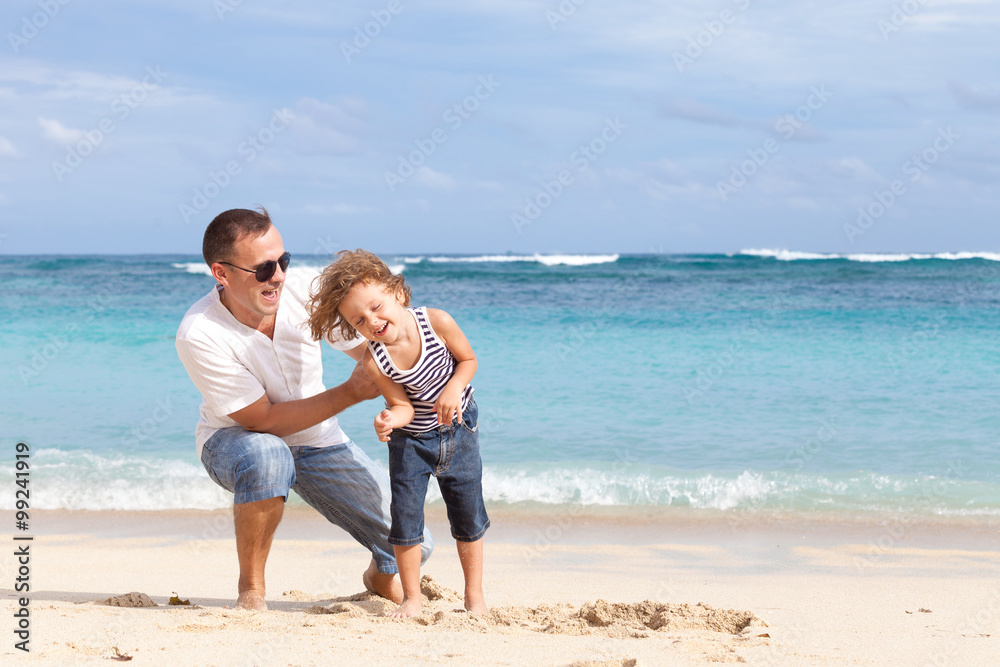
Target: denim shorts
(339,481)
(450,453)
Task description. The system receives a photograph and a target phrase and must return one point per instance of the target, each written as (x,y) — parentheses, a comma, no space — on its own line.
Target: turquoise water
(758,381)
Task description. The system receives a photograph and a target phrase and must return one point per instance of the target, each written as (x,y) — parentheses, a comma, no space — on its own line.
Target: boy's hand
(383,425)
(448,405)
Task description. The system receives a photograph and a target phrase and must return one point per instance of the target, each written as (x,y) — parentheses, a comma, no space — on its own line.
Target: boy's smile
(375,313)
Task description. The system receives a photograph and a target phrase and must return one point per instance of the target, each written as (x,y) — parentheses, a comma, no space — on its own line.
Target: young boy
(422,363)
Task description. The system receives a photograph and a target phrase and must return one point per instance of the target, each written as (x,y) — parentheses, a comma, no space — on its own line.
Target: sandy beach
(566,587)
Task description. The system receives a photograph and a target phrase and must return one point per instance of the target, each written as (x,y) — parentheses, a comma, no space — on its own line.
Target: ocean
(758,381)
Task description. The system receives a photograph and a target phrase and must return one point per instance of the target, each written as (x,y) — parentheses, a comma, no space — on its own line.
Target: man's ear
(219,273)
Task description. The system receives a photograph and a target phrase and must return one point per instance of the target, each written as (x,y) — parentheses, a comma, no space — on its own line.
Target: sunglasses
(264,272)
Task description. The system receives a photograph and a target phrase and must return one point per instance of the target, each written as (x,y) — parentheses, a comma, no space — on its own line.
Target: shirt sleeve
(337,343)
(299,283)
(226,385)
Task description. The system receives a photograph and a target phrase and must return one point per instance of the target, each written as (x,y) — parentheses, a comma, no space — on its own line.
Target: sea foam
(85,480)
(794,255)
(547,260)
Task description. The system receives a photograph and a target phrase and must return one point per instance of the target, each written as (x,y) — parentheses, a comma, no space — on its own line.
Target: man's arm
(283,419)
(356,352)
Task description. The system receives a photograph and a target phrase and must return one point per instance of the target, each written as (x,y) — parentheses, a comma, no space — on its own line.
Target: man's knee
(427,546)
(266,461)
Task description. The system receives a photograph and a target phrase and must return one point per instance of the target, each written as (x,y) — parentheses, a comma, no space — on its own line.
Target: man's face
(250,301)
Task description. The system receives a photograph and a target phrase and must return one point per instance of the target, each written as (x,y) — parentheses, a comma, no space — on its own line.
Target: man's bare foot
(251,600)
(410,607)
(475,604)
(386,585)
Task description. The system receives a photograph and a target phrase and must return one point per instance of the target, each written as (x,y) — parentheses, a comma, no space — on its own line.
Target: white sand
(824,600)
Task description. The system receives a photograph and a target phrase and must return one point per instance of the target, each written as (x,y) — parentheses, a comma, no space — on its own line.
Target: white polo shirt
(233,365)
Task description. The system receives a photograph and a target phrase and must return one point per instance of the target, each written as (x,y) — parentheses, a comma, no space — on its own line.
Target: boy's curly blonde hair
(331,287)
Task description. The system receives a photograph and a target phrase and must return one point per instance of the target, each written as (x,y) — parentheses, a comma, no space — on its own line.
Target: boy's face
(374,312)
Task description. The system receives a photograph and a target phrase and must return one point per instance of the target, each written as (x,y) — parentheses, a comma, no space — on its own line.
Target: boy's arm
(449,403)
(356,352)
(400,410)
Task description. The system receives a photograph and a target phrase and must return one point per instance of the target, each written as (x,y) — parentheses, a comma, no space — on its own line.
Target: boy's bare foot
(251,600)
(475,604)
(410,607)
(386,585)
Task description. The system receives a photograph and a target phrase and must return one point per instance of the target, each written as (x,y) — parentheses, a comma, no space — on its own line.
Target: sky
(526,126)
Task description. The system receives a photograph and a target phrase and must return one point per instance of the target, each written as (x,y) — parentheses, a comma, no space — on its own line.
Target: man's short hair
(221,235)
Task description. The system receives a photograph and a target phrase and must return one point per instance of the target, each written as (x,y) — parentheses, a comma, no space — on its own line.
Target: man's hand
(383,425)
(360,385)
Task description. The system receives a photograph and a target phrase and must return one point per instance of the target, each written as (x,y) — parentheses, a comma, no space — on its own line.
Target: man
(267,422)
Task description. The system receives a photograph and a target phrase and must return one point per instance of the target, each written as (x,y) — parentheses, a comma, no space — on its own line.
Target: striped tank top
(425,381)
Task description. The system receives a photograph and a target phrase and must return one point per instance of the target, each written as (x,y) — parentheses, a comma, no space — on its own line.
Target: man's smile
(271,294)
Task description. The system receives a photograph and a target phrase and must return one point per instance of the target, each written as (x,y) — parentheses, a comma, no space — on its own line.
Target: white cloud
(938,21)
(662,191)
(30,83)
(623,175)
(64,85)
(689,109)
(802,204)
(514,9)
(49,83)
(345,114)
(974,99)
(669,168)
(856,168)
(329,129)
(58,133)
(434,179)
(7,149)
(337,209)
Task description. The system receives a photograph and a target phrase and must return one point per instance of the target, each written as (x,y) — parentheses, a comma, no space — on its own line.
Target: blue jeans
(450,453)
(341,482)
